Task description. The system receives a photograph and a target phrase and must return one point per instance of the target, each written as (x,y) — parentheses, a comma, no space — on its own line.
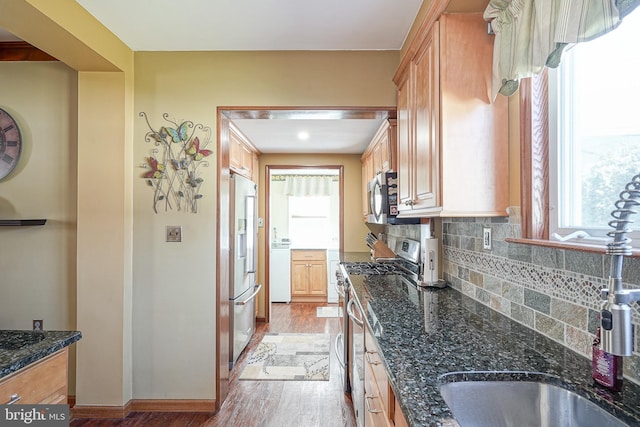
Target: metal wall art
(174,165)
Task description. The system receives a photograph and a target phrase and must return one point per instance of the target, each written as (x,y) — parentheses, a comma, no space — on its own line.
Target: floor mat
(289,357)
(329,312)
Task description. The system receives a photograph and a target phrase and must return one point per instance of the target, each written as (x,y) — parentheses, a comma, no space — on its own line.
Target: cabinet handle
(14,398)
(373,411)
(371,362)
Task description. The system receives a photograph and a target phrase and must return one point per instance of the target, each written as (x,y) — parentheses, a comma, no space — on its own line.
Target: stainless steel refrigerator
(243,258)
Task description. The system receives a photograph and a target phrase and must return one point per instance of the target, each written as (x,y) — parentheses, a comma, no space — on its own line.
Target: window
(594,132)
(309,220)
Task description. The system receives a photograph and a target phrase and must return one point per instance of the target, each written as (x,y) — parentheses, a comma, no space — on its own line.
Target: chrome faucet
(616,315)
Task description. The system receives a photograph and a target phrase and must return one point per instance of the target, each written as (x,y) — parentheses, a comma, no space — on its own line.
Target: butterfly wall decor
(173,168)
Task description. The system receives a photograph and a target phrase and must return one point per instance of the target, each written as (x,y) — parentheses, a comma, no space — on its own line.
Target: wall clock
(10,143)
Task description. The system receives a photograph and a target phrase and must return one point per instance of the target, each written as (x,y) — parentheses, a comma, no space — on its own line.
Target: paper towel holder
(430,267)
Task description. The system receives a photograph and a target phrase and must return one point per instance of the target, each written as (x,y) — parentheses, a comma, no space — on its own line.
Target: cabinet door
(241,156)
(255,168)
(317,278)
(381,154)
(426,167)
(247,160)
(235,151)
(405,134)
(299,278)
(391,141)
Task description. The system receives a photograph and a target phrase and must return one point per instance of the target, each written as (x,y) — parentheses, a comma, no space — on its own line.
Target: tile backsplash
(554,291)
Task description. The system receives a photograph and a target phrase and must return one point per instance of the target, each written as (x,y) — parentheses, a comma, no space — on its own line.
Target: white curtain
(308,185)
(531,34)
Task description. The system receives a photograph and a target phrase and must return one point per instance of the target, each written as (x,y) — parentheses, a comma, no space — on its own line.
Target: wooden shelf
(22,222)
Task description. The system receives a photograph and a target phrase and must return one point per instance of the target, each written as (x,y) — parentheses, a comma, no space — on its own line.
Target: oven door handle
(336,348)
(339,289)
(351,314)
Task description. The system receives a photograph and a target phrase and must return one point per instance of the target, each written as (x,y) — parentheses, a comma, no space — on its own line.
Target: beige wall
(101,128)
(38,264)
(174,284)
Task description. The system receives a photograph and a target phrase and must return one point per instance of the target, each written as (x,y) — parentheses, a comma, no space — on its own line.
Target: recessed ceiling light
(303,135)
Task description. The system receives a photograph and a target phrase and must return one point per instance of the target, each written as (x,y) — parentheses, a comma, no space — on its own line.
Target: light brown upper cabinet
(243,157)
(452,140)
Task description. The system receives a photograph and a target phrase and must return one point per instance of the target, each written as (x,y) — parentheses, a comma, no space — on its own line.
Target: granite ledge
(20,348)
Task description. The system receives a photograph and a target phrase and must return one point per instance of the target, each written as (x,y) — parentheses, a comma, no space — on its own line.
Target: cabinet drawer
(44,381)
(378,371)
(308,255)
(376,416)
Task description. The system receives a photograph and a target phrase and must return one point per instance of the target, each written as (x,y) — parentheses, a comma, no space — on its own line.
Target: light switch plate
(486,238)
(174,233)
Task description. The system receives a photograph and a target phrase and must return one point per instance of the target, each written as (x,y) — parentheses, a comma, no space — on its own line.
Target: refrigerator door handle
(250,297)
(250,248)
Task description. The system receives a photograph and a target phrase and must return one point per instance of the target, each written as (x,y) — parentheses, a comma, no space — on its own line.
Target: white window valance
(308,185)
(531,34)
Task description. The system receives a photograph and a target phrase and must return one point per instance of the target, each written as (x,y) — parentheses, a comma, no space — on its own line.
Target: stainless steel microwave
(382,196)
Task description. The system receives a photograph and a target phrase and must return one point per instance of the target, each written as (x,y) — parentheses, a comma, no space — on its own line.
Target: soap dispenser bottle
(606,368)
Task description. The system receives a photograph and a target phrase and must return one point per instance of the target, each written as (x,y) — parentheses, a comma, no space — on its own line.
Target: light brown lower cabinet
(308,275)
(43,382)
(381,406)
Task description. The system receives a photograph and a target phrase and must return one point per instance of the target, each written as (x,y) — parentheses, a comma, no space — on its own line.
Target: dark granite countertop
(346,257)
(20,348)
(423,334)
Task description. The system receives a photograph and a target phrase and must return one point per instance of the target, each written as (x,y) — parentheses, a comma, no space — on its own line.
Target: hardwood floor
(266,403)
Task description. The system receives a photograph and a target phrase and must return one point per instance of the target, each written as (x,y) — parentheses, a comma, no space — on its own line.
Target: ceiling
(168,25)
(345,136)
(247,25)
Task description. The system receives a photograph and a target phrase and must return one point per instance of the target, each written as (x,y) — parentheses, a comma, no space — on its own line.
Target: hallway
(266,403)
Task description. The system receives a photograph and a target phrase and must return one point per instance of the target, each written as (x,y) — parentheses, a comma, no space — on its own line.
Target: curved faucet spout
(616,315)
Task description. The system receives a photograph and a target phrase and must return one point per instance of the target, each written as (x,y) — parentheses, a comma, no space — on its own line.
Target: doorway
(304,214)
(343,130)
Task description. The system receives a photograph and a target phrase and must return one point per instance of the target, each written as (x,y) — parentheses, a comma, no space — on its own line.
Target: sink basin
(15,340)
(527,401)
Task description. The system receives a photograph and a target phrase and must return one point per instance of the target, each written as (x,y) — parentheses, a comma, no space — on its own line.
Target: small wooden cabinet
(452,138)
(243,156)
(308,275)
(43,382)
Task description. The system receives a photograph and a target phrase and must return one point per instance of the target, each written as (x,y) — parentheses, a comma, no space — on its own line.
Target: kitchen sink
(508,399)
(15,340)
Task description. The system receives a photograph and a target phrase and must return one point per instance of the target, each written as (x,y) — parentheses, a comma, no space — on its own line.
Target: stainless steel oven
(356,361)
(341,344)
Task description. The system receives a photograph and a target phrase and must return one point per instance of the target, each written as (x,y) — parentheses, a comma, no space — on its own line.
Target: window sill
(584,247)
